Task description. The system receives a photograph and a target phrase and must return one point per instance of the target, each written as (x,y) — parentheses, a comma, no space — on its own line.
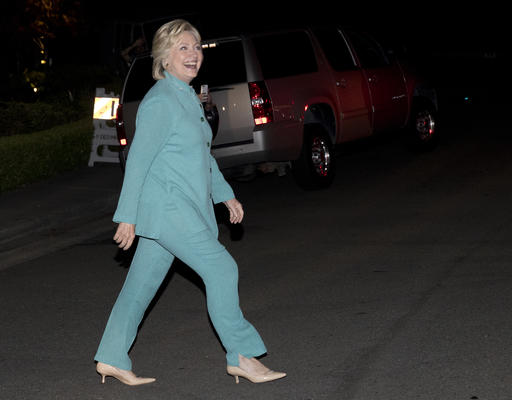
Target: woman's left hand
(205,98)
(236,212)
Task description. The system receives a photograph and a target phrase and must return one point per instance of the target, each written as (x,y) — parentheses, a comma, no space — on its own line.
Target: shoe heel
(236,379)
(102,378)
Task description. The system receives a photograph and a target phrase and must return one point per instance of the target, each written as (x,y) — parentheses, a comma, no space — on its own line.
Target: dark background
(460,46)
(481,27)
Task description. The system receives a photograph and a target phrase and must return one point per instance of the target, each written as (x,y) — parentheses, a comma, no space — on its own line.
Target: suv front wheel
(422,132)
(315,168)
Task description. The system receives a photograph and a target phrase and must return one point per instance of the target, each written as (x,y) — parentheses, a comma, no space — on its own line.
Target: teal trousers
(152,260)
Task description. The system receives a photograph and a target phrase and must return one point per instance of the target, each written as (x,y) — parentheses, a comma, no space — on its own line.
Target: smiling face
(185,57)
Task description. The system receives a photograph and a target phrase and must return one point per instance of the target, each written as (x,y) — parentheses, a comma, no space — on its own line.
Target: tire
(316,166)
(422,133)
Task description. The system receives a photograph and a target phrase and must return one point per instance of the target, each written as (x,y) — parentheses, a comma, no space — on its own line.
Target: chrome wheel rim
(425,125)
(321,156)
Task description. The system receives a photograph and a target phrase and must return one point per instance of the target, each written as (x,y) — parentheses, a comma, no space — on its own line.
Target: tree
(47,18)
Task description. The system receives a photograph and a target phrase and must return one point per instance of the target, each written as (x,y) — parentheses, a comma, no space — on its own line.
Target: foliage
(46,18)
(73,80)
(31,157)
(19,118)
(62,81)
(49,15)
(65,94)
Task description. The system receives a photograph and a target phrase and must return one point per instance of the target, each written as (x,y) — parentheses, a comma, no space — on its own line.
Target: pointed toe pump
(125,376)
(254,378)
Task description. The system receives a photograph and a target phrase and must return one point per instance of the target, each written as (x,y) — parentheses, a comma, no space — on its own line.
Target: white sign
(105,107)
(105,135)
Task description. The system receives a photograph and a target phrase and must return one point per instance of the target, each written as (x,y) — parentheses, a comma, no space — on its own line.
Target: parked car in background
(291,96)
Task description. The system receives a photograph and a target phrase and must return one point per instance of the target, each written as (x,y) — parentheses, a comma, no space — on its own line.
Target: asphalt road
(393,284)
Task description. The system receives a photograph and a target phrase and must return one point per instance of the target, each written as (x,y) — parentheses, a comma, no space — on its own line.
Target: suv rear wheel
(315,168)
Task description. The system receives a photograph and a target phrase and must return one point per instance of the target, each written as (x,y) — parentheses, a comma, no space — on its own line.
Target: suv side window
(370,53)
(223,64)
(285,54)
(335,48)
(139,80)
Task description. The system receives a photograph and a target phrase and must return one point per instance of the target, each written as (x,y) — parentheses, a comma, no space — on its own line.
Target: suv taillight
(260,102)
(121,133)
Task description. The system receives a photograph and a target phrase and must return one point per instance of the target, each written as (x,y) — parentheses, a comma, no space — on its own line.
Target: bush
(31,157)
(17,117)
(65,94)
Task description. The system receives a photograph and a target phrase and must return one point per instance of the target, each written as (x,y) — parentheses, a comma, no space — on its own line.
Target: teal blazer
(171,177)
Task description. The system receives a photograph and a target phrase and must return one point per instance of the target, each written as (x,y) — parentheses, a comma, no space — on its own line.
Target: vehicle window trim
(140,58)
(349,47)
(313,32)
(374,42)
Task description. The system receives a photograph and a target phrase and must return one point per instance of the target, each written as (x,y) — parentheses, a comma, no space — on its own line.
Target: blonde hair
(165,38)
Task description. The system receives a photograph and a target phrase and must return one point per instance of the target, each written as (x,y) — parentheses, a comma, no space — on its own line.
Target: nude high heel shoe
(127,377)
(253,377)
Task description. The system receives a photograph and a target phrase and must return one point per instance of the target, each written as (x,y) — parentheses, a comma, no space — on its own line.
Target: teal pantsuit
(170,183)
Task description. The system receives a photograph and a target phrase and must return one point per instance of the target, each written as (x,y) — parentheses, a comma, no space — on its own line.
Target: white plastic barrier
(105,107)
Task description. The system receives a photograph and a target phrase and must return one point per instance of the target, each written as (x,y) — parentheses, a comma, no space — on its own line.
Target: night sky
(427,25)
(457,26)
(426,28)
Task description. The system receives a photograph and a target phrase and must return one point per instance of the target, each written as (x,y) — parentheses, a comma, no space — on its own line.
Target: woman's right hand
(125,235)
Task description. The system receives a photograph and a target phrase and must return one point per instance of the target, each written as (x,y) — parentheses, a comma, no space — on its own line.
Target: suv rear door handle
(342,83)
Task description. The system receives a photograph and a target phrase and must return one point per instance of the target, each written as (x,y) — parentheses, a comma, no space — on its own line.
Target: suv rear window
(223,64)
(285,54)
(139,80)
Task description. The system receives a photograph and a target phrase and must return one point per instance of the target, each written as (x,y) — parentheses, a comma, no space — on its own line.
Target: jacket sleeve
(221,190)
(153,124)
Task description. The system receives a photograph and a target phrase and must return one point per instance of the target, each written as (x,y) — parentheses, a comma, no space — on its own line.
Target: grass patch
(35,156)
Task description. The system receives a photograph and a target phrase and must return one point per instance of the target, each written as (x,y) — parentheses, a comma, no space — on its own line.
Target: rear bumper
(277,141)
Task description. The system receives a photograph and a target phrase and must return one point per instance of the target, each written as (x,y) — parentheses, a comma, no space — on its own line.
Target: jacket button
(207,144)
(202,119)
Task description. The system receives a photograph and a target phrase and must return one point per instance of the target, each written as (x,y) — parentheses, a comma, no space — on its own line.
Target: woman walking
(166,199)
